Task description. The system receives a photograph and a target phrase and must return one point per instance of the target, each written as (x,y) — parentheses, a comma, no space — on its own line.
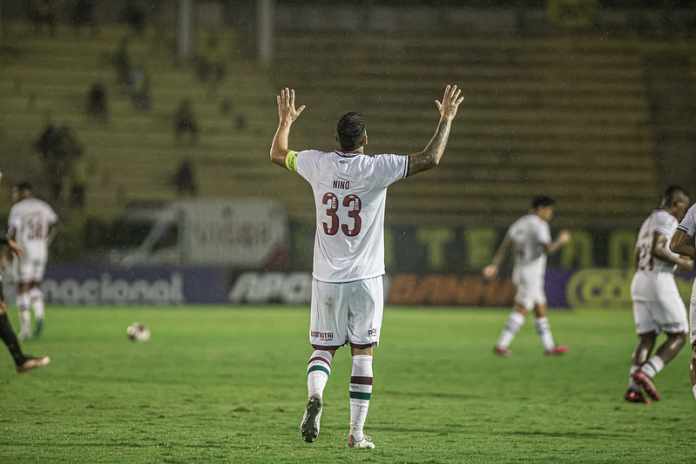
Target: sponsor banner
(95,285)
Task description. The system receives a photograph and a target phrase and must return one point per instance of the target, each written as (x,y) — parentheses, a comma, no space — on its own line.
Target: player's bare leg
(646,343)
(360,393)
(23,363)
(512,326)
(23,304)
(318,371)
(664,354)
(543,328)
(36,300)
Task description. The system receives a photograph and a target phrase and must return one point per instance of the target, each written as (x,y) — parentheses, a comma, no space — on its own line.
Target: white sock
(653,366)
(512,326)
(693,390)
(37,302)
(318,371)
(543,328)
(631,384)
(360,394)
(23,303)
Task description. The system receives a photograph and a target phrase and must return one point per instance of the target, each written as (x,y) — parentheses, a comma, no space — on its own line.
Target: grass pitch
(228,385)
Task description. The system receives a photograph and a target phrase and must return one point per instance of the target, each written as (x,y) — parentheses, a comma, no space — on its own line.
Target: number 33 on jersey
(349,197)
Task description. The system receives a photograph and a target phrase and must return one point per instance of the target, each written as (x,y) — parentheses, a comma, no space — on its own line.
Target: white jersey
(30,220)
(662,222)
(688,223)
(530,234)
(350,192)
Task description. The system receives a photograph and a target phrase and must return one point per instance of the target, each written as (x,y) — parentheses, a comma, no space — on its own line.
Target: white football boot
(309,427)
(365,443)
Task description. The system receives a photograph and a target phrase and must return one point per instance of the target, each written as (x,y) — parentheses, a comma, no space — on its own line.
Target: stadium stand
(569,117)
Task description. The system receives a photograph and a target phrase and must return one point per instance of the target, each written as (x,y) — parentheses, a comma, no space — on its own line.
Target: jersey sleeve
(543,233)
(51,215)
(14,222)
(390,168)
(688,224)
(305,163)
(664,224)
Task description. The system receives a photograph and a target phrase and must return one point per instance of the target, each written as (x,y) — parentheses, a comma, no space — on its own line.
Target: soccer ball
(137,332)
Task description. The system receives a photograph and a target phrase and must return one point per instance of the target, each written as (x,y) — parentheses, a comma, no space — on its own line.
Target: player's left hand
(286,106)
(490,271)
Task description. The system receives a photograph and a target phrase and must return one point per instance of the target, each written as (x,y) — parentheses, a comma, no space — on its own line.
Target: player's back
(659,221)
(530,234)
(31,219)
(350,197)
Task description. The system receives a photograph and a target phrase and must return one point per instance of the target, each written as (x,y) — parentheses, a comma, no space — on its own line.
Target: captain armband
(291,161)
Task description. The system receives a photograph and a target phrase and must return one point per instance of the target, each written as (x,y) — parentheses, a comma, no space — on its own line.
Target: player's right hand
(490,271)
(450,102)
(286,106)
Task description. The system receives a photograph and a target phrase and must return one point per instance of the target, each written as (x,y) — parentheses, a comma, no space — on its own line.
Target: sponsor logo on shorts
(372,332)
(325,336)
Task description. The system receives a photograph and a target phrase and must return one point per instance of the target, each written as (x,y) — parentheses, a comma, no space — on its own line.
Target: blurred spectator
(59,148)
(133,14)
(78,182)
(185,179)
(43,13)
(210,63)
(82,15)
(185,121)
(139,87)
(241,122)
(122,62)
(97,104)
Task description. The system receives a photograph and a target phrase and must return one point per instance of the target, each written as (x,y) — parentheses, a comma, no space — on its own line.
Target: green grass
(228,385)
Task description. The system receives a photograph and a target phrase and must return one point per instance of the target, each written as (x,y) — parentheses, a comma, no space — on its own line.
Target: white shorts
(657,305)
(348,312)
(530,289)
(29,270)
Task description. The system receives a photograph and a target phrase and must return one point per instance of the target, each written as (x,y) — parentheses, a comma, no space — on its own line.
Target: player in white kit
(32,225)
(349,189)
(683,243)
(23,362)
(531,238)
(657,305)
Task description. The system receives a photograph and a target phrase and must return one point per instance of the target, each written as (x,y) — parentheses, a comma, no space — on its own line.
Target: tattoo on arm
(433,152)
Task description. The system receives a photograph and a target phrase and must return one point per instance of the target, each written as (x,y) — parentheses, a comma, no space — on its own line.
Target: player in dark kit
(23,362)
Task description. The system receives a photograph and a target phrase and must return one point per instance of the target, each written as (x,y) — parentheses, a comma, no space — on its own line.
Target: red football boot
(558,350)
(635,396)
(502,352)
(647,384)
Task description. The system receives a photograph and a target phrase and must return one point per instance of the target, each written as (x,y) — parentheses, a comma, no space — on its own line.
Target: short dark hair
(24,186)
(542,201)
(350,130)
(670,194)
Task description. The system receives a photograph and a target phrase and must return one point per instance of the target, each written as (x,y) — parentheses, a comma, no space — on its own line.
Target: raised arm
(287,114)
(432,153)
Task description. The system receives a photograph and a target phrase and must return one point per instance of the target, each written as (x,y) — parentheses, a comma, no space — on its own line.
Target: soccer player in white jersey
(23,362)
(32,225)
(657,305)
(350,190)
(531,238)
(683,243)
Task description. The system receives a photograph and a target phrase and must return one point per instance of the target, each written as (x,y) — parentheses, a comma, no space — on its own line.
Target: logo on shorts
(325,336)
(372,333)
